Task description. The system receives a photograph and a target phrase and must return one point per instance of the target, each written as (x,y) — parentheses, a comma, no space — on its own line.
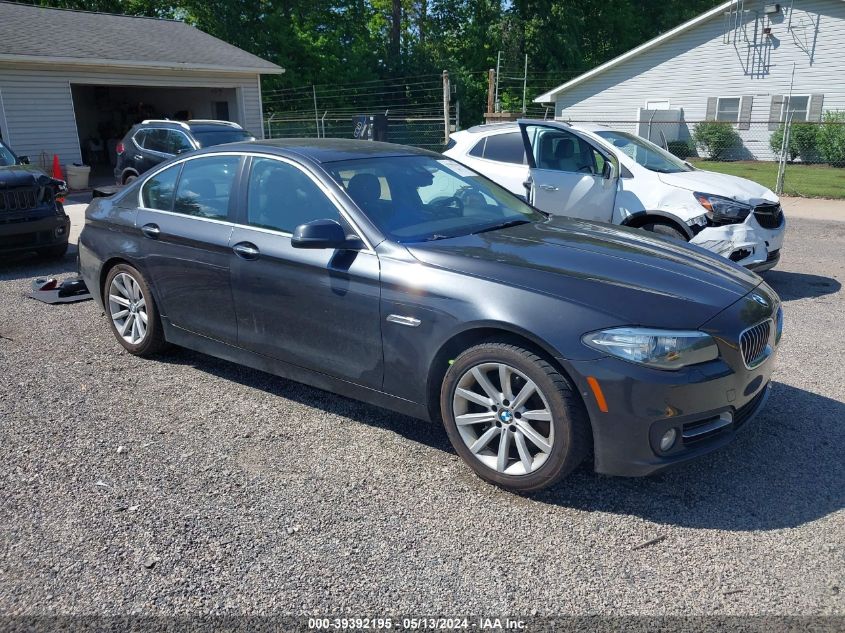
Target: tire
(533,458)
(53,252)
(131,294)
(666,230)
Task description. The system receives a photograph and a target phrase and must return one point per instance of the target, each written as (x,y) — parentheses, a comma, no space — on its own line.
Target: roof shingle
(32,33)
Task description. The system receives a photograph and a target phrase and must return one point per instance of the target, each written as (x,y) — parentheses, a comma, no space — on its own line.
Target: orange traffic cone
(57,173)
(57,168)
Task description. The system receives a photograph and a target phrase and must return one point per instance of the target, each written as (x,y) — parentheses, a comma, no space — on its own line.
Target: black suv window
(157,192)
(282,197)
(205,185)
(177,142)
(156,141)
(6,157)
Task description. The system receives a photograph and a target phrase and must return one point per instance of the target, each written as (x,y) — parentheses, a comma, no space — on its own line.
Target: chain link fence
(814,163)
(409,111)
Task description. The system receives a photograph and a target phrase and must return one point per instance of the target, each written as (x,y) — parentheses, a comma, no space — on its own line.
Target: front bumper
(748,243)
(706,404)
(29,231)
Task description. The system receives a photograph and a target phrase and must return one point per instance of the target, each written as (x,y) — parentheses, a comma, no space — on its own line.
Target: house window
(797,106)
(727,109)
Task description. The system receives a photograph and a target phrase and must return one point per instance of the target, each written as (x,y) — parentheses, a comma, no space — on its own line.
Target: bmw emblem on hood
(760,299)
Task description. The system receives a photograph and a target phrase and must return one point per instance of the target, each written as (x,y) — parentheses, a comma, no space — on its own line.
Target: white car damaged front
(747,228)
(597,173)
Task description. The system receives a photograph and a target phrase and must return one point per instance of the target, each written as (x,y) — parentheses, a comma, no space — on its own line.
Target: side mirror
(610,170)
(23,160)
(323,234)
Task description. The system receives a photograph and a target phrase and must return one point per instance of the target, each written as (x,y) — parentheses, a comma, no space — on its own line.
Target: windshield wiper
(437,236)
(503,225)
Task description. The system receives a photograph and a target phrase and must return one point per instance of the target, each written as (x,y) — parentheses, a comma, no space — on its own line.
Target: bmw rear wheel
(513,417)
(132,311)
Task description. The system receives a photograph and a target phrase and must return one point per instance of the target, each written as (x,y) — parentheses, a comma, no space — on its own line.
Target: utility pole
(491,81)
(498,69)
(524,83)
(316,114)
(446,98)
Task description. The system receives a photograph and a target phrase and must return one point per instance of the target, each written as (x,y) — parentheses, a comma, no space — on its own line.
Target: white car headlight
(661,349)
(723,210)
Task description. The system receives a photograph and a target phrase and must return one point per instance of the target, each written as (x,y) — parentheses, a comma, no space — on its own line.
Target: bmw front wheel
(513,417)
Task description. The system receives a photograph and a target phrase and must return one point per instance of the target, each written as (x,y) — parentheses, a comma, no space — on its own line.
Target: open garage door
(105,113)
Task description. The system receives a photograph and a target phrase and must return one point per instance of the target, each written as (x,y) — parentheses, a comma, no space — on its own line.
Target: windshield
(218,137)
(644,152)
(422,198)
(6,156)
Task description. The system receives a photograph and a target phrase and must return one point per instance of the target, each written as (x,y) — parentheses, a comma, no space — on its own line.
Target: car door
(501,157)
(317,309)
(568,174)
(184,224)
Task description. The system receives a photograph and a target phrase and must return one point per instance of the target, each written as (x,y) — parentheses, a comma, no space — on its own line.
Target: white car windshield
(644,153)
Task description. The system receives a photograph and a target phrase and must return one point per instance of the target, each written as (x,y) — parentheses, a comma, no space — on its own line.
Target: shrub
(715,138)
(681,149)
(831,138)
(803,141)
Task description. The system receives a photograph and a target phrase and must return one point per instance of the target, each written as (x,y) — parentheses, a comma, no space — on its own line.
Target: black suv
(32,218)
(150,142)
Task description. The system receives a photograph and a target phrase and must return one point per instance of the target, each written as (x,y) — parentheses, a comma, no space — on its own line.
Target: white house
(67,77)
(733,63)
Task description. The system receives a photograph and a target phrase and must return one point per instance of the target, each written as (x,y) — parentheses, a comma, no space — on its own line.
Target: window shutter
(775,112)
(745,104)
(711,109)
(814,111)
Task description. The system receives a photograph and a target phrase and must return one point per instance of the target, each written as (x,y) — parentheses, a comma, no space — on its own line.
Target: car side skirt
(204,345)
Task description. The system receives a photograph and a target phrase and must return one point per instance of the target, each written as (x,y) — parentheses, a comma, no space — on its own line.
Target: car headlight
(723,210)
(661,349)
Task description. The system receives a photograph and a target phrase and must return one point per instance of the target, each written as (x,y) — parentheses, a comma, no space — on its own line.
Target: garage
(104,113)
(103,73)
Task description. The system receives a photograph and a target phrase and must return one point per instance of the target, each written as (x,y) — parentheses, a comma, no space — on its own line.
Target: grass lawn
(807,181)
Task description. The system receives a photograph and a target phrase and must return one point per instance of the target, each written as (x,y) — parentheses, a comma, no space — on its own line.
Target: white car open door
(569,175)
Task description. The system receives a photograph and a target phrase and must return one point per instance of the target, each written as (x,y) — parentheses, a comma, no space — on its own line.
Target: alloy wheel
(503,418)
(128,308)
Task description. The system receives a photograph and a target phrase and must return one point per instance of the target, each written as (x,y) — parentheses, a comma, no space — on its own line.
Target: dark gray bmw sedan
(399,277)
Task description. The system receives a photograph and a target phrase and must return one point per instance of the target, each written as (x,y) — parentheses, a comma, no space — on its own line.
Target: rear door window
(157,192)
(205,186)
(177,142)
(156,141)
(505,148)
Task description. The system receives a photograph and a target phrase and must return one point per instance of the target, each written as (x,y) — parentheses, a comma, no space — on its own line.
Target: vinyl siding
(697,64)
(39,110)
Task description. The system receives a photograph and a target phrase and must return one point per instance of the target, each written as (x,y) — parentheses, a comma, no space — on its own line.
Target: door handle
(138,157)
(151,231)
(246,250)
(548,187)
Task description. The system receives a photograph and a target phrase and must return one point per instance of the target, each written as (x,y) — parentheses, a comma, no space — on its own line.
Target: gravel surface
(188,485)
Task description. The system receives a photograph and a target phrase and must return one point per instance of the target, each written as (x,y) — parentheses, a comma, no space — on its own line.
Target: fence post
(316,113)
(446,99)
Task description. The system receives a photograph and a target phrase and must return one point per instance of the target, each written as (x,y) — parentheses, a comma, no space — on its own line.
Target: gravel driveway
(189,485)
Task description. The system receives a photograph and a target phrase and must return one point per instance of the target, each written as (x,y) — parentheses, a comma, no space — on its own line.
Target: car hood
(636,278)
(15,176)
(739,189)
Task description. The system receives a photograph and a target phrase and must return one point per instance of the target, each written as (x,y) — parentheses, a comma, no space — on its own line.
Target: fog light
(668,439)
(60,230)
